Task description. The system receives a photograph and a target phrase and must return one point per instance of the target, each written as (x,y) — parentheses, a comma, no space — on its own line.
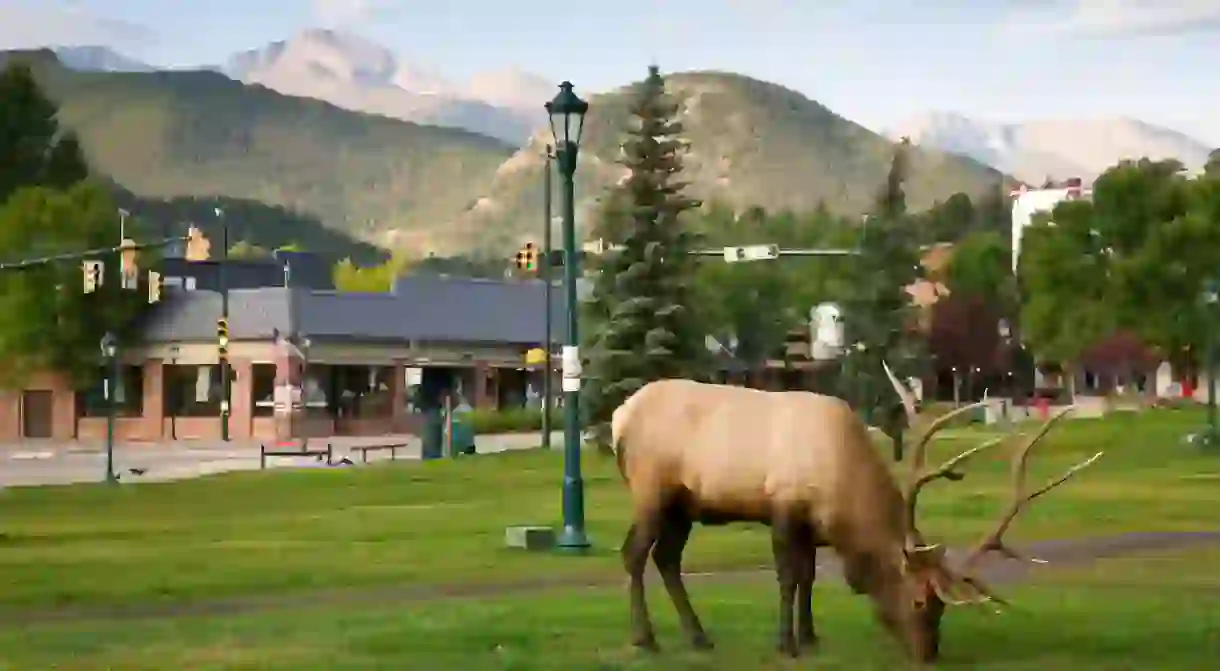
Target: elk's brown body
(802,464)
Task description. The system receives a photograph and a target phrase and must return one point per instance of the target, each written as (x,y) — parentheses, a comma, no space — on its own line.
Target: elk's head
(912,604)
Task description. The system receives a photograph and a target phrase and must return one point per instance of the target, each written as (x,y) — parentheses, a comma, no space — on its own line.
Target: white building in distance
(1027,202)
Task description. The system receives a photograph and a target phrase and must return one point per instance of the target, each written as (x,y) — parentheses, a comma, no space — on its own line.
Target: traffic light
(154,286)
(198,247)
(129,264)
(93,275)
(527,257)
(222,336)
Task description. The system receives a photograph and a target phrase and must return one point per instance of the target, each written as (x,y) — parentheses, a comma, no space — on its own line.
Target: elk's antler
(920,475)
(994,541)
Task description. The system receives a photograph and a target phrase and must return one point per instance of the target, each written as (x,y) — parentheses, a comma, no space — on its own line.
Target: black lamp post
(173,412)
(110,350)
(567,115)
(303,346)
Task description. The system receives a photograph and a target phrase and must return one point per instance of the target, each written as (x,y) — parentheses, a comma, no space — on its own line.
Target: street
(47,463)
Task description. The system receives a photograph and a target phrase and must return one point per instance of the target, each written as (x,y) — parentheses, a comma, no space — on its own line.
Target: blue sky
(874,61)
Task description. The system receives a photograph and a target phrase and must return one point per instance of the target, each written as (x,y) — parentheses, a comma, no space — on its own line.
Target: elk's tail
(619,422)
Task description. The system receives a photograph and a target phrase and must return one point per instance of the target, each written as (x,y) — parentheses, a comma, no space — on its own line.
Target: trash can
(463,430)
(433,437)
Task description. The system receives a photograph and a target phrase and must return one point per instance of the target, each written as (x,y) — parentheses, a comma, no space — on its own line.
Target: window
(363,391)
(262,390)
(128,394)
(193,391)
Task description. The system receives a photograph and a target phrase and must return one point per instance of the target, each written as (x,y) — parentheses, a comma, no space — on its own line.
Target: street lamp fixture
(567,117)
(110,351)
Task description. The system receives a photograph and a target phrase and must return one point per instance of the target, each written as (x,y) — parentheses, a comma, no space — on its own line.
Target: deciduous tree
(349,277)
(52,324)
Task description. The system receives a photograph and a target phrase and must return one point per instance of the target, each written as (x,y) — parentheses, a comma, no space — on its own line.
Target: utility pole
(223,355)
(548,367)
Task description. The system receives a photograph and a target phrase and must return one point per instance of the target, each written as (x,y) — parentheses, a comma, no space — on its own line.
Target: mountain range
(1036,150)
(333,126)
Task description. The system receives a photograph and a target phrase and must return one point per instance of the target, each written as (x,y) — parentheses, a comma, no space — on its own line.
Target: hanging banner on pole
(571,368)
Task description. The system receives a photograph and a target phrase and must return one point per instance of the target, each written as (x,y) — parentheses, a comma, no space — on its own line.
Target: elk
(804,465)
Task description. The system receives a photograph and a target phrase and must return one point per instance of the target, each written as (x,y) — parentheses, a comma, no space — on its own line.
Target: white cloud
(40,23)
(1114,18)
(351,12)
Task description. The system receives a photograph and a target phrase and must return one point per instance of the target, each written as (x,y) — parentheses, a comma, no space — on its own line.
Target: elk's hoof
(788,648)
(646,644)
(702,642)
(808,640)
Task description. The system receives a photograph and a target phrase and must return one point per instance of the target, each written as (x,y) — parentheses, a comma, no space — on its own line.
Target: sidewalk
(46,463)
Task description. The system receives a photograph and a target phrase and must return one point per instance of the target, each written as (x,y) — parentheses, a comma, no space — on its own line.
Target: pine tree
(644,327)
(879,312)
(36,152)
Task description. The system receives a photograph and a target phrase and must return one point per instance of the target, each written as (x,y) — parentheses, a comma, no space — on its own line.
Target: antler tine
(919,478)
(908,398)
(994,541)
(920,452)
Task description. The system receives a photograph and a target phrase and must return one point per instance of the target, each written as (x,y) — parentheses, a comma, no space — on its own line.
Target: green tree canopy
(981,266)
(244,249)
(350,277)
(1134,259)
(46,208)
(52,323)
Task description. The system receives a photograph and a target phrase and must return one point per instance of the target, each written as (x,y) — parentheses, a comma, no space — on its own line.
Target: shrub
(513,420)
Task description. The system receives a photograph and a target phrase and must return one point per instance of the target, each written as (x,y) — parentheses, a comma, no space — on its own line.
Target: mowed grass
(443,522)
(1154,612)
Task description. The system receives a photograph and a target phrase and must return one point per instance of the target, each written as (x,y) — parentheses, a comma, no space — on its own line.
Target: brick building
(350,355)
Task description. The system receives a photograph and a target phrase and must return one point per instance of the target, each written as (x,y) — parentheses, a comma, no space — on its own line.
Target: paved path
(34,463)
(1073,552)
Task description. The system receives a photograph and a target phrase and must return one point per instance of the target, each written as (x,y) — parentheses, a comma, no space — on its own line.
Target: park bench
(365,449)
(294,451)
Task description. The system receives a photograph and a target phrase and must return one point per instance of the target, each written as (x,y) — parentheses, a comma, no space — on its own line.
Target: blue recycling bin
(463,432)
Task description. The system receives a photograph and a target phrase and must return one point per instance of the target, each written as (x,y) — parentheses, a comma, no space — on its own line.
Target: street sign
(751,253)
(535,357)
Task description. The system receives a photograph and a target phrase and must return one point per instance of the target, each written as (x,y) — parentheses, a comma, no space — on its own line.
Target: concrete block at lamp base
(533,538)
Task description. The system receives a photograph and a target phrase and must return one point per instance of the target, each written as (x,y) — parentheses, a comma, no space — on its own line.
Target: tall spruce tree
(643,325)
(879,311)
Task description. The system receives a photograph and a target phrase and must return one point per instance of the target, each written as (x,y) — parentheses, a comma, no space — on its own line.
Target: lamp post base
(572,541)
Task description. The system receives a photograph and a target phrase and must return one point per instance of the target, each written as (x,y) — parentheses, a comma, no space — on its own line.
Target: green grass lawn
(1153,612)
(443,522)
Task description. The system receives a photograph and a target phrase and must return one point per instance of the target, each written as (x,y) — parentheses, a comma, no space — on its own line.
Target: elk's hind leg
(785,546)
(636,546)
(806,572)
(667,555)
